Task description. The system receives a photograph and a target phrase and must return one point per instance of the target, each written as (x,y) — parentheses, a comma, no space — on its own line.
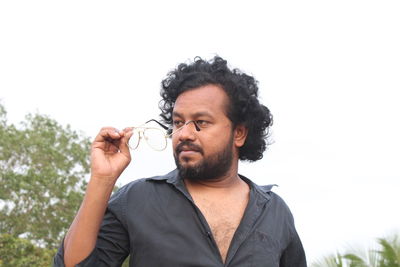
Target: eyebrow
(197,114)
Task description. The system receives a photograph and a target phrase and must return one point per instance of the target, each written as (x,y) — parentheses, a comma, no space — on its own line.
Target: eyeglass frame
(166,135)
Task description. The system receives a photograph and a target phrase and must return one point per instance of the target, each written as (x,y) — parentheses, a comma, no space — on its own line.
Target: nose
(187,131)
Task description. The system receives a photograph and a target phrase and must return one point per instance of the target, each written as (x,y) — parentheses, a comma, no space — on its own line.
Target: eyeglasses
(156,138)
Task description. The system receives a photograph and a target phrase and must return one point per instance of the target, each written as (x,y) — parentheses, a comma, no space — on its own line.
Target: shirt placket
(206,228)
(252,213)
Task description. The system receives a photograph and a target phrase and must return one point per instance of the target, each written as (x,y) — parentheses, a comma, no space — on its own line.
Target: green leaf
(42,177)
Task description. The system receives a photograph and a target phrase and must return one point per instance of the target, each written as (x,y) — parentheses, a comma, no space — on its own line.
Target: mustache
(188,145)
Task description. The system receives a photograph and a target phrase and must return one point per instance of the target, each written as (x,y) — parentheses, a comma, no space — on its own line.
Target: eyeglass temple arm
(159,123)
(166,128)
(195,125)
(186,123)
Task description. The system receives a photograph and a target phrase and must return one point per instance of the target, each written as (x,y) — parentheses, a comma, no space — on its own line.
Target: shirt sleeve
(112,245)
(293,255)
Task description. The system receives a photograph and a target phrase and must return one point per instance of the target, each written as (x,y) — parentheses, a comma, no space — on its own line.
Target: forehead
(209,98)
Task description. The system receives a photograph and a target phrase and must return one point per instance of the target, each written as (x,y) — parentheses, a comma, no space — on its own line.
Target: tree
(16,252)
(42,171)
(388,255)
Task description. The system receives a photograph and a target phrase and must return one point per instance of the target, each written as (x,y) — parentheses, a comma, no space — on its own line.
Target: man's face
(206,154)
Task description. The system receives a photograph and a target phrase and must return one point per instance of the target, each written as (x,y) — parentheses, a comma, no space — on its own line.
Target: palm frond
(384,254)
(329,261)
(390,253)
(355,261)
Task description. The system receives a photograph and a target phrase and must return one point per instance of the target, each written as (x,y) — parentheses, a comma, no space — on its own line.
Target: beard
(210,168)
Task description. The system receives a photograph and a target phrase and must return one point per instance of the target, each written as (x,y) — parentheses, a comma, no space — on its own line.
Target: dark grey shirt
(156,221)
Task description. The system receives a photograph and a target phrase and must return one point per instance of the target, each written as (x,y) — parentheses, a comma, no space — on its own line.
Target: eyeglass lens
(155,138)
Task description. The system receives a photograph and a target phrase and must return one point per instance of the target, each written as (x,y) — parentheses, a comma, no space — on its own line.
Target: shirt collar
(173,178)
(263,190)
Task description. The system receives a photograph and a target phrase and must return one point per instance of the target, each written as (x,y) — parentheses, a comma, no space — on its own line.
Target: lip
(188,151)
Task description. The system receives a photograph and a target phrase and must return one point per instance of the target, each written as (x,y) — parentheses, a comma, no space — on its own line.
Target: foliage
(388,255)
(42,171)
(17,252)
(126,262)
(330,261)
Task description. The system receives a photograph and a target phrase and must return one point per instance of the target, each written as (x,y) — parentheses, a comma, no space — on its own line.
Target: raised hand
(110,154)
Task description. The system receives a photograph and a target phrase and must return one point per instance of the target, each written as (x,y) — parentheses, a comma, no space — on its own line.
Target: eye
(177,123)
(202,123)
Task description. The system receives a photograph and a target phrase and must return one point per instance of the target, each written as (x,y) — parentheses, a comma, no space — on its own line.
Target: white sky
(328,70)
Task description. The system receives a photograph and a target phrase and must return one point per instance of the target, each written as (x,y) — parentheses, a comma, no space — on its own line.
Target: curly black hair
(242,90)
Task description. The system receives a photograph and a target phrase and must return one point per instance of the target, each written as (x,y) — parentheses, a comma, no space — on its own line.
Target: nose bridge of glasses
(139,131)
(185,124)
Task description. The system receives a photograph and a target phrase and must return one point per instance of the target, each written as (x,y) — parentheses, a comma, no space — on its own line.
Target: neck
(229,180)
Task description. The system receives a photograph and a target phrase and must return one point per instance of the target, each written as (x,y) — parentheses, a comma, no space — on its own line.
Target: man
(201,214)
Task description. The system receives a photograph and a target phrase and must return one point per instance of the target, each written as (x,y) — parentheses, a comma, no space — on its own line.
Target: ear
(240,135)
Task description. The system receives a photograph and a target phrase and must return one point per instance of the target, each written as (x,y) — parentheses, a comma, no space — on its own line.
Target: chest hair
(223,216)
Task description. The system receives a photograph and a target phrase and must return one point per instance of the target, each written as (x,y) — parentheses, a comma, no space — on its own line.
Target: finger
(107,133)
(124,148)
(111,146)
(128,131)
